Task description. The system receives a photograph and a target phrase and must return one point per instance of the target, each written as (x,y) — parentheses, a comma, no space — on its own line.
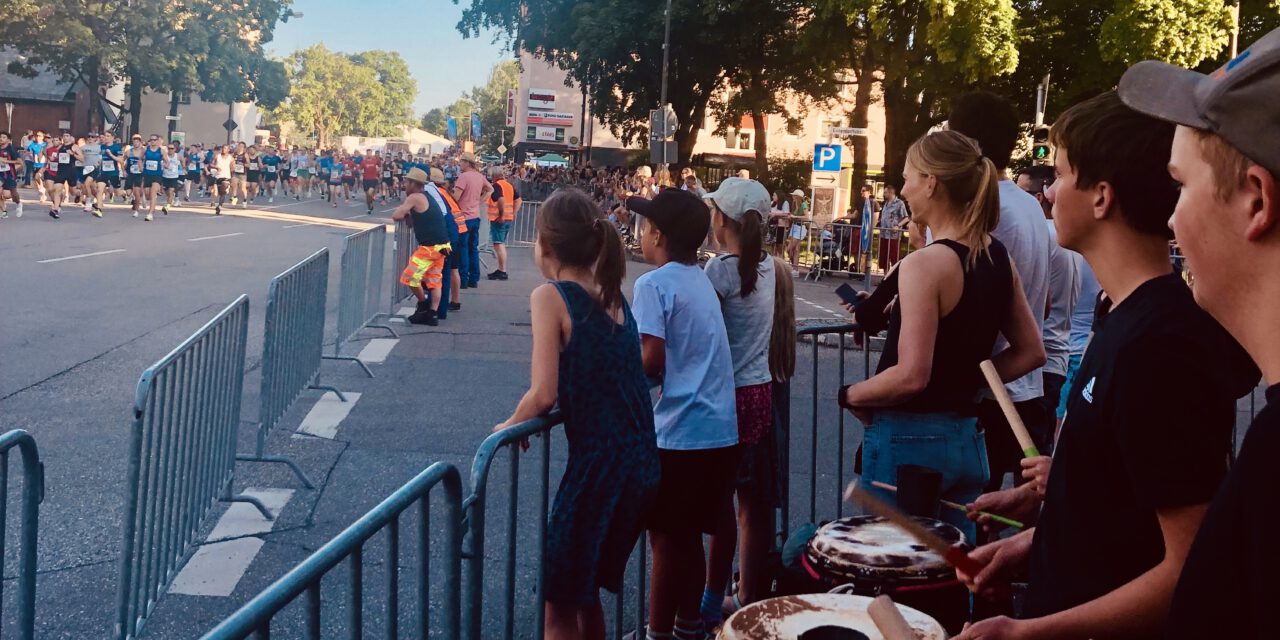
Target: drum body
(790,617)
(870,556)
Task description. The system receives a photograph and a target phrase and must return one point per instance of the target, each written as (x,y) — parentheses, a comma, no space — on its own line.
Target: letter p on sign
(826,157)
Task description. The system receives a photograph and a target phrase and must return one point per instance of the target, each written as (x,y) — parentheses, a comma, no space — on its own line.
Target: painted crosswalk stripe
(377,350)
(329,412)
(81,255)
(225,235)
(217,567)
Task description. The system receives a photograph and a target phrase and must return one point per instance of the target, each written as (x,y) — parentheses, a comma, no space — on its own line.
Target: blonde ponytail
(968,178)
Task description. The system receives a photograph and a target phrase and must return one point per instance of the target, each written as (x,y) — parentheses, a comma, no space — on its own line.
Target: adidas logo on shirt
(1088,391)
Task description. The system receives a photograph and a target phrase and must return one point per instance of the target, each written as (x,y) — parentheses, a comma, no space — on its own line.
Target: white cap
(736,196)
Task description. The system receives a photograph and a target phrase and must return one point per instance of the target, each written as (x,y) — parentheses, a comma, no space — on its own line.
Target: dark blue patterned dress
(613,470)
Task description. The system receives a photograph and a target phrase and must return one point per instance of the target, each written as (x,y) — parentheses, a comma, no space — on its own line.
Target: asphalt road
(76,333)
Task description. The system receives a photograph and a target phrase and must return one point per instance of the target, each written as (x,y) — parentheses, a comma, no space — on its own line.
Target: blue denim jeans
(945,442)
(450,263)
(470,258)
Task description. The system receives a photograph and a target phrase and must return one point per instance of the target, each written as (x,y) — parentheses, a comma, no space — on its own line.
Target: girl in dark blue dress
(586,359)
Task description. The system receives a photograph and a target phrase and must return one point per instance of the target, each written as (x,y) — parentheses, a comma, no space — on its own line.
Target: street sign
(230,125)
(826,157)
(177,117)
(655,151)
(502,149)
(511,108)
(850,131)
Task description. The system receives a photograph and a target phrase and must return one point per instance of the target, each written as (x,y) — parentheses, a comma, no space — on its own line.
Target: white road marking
(820,307)
(82,255)
(323,419)
(361,215)
(405,312)
(216,568)
(225,235)
(304,224)
(377,350)
(243,519)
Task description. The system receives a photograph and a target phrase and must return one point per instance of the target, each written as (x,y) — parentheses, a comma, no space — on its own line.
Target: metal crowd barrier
(292,343)
(360,289)
(255,617)
(181,458)
(403,244)
(525,228)
(840,251)
(474,508)
(823,396)
(32,496)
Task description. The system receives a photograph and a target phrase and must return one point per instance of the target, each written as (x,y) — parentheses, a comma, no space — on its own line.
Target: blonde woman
(953,298)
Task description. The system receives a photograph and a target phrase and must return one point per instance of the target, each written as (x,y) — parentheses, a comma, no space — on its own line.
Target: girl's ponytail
(751,248)
(610,264)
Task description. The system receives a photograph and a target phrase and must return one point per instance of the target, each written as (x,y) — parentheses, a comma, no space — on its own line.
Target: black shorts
(148,180)
(8,181)
(172,183)
(271,177)
(370,184)
(111,180)
(221,183)
(695,485)
(94,175)
(59,178)
(388,181)
(350,182)
(133,181)
(193,176)
(253,176)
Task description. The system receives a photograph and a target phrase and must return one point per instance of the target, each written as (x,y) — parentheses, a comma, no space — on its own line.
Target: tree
(392,107)
(490,101)
(435,121)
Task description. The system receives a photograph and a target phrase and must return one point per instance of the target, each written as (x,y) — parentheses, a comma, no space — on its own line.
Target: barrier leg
(352,359)
(325,387)
(284,460)
(240,497)
(383,326)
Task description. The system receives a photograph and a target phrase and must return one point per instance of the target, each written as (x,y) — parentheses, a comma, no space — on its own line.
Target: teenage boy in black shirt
(1226,157)
(1149,423)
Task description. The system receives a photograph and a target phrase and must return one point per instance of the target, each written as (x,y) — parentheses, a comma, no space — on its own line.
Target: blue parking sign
(826,157)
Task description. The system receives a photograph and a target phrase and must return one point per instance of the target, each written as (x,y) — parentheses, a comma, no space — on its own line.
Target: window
(744,140)
(184,97)
(740,140)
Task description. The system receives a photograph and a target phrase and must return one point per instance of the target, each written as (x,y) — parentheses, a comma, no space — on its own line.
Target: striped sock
(688,629)
(650,634)
(712,607)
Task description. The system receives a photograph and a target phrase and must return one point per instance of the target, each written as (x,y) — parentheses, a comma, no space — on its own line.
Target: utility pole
(662,100)
(1235,29)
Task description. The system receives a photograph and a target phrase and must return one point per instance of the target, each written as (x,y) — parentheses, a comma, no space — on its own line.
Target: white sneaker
(271,199)
(18,213)
(135,213)
(148,218)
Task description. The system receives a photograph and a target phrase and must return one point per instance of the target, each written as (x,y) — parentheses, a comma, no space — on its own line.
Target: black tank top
(965,337)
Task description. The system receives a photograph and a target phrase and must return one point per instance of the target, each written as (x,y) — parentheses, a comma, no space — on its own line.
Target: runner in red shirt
(371,165)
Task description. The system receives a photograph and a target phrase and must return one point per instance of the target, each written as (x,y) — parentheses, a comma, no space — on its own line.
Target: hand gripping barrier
(255,617)
(181,458)
(292,343)
(474,552)
(360,288)
(32,496)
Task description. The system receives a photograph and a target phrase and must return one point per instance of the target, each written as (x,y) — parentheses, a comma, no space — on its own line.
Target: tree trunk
(762,146)
(135,106)
(687,132)
(173,113)
(93,78)
(907,117)
(860,117)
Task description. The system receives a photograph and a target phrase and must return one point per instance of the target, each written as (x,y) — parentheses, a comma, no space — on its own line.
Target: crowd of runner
(1138,519)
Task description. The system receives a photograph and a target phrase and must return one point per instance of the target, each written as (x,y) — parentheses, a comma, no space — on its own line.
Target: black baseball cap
(1237,102)
(678,214)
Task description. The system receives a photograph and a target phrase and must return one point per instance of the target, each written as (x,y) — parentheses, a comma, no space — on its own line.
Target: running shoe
(218,211)
(233,201)
(297,196)
(88,209)
(53,213)
(165,209)
(149,217)
(135,213)
(271,199)
(18,213)
(4,213)
(97,212)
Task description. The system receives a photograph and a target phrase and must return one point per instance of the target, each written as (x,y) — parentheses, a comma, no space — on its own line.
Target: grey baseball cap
(736,196)
(1240,101)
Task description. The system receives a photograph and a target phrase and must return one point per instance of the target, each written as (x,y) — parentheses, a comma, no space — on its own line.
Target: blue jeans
(450,263)
(945,442)
(469,264)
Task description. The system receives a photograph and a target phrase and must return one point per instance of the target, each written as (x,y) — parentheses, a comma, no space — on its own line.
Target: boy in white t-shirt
(684,342)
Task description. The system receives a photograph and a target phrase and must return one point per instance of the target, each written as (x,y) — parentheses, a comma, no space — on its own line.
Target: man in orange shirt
(371,166)
(503,205)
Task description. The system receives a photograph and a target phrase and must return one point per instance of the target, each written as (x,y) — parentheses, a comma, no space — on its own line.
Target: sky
(442,62)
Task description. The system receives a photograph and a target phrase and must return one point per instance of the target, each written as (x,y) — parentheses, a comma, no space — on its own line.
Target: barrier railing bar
(256,615)
(839,493)
(393,579)
(32,496)
(509,596)
(424,573)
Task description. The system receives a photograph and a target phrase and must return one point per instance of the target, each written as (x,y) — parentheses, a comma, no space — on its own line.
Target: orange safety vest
(459,218)
(508,194)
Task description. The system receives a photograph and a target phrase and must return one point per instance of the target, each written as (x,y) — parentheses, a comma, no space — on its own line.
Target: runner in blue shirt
(35,148)
(271,172)
(112,163)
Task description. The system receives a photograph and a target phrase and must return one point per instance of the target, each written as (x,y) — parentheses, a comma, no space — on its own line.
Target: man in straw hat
(425,268)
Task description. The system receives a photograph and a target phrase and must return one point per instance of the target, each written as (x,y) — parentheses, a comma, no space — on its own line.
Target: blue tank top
(151,160)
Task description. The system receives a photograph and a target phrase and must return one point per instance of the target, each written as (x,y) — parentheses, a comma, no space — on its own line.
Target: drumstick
(1010,413)
(889,620)
(955,556)
(958,507)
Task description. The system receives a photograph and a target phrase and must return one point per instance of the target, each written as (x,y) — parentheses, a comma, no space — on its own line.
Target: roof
(46,86)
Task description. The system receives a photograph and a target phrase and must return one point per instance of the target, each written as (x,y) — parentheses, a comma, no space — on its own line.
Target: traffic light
(1040,152)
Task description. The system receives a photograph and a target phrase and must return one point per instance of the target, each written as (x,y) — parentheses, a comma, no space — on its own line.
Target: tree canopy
(368,94)
(489,100)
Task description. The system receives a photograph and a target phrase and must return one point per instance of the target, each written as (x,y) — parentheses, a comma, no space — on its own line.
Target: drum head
(789,617)
(871,549)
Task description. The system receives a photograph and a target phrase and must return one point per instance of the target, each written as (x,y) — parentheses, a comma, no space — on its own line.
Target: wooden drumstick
(889,620)
(955,556)
(958,507)
(1028,445)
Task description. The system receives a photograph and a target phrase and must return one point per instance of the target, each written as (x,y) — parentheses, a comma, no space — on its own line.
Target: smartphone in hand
(849,296)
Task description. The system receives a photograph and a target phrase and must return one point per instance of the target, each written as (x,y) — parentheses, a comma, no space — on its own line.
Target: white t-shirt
(1064,291)
(749,320)
(697,409)
(222,167)
(1022,231)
